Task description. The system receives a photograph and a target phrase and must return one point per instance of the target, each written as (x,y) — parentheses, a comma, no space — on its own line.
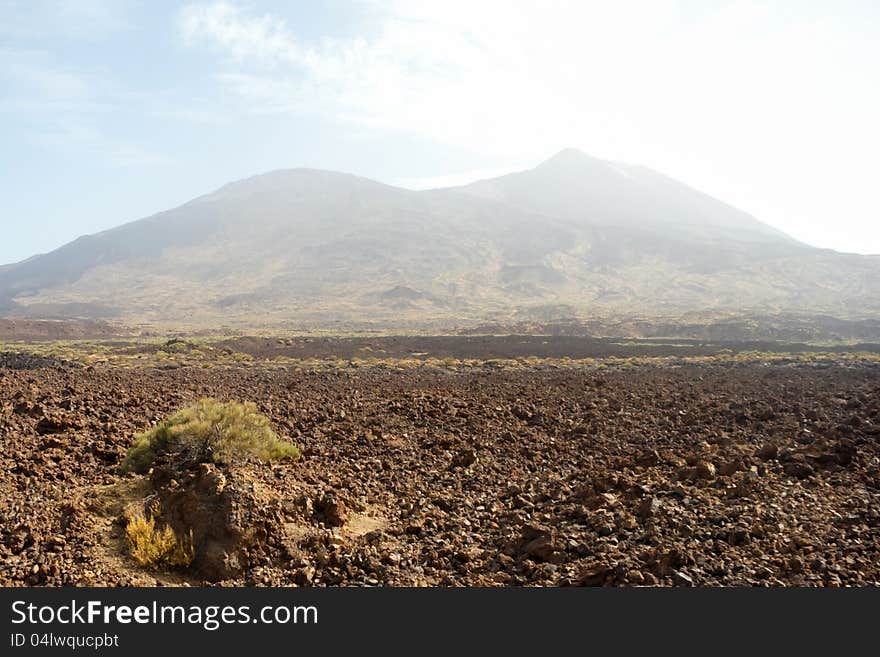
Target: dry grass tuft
(153,547)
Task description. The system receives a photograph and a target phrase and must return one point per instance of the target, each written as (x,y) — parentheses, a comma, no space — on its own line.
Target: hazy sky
(111,110)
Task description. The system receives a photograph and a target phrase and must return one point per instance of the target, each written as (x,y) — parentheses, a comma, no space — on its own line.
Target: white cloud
(237,33)
(471,74)
(758,104)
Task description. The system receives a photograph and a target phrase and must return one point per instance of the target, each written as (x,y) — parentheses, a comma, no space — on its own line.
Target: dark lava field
(686,474)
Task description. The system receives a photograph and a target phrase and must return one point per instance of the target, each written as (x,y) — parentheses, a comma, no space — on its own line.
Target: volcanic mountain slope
(574,236)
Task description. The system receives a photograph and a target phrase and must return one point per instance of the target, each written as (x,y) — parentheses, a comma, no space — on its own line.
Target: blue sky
(111,110)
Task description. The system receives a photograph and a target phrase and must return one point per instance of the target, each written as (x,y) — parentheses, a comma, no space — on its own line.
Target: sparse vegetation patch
(210,430)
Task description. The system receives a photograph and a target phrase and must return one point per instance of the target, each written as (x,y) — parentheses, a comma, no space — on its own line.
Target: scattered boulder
(705,470)
(649,507)
(332,510)
(595,575)
(538,542)
(767,452)
(799,469)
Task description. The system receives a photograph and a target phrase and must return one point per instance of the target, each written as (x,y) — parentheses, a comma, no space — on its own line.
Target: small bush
(210,431)
(154,547)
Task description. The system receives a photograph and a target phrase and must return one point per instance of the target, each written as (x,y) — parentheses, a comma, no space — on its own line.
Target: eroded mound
(233,521)
(216,518)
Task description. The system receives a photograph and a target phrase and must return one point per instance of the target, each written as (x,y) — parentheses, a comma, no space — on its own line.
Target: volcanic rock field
(671,474)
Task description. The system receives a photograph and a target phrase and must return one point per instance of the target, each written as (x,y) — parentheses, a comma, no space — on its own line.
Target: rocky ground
(686,475)
(488,347)
(19,328)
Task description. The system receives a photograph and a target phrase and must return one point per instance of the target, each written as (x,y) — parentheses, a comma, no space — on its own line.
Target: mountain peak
(569,157)
(285,181)
(307,245)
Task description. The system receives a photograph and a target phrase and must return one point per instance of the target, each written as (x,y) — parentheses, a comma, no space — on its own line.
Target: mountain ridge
(574,236)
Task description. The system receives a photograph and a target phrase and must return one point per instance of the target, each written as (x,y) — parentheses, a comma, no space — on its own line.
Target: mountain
(575,236)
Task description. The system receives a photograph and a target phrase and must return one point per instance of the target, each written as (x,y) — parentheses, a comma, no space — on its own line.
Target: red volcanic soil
(679,476)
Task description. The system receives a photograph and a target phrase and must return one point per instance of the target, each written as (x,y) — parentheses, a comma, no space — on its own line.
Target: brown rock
(738,536)
(49,425)
(798,469)
(682,579)
(603,501)
(729,468)
(649,507)
(705,470)
(594,575)
(532,531)
(635,577)
(538,542)
(333,511)
(304,576)
(686,474)
(540,549)
(465,458)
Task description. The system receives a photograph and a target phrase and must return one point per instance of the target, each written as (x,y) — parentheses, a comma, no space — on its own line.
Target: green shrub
(210,431)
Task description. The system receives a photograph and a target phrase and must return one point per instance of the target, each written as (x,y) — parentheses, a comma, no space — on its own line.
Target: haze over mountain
(575,236)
